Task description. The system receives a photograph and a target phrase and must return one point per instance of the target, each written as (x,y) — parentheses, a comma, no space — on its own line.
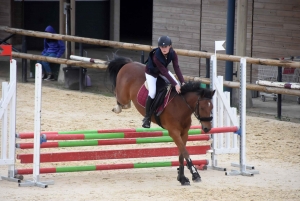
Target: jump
(127,78)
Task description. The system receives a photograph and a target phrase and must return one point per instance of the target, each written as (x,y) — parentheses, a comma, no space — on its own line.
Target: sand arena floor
(272,147)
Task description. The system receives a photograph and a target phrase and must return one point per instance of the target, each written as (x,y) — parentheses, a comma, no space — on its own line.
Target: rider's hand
(177,87)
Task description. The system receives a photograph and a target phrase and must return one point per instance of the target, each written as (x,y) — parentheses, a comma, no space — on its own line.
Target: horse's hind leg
(127,106)
(118,108)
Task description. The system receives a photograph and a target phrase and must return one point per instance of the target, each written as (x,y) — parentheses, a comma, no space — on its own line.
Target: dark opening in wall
(136,21)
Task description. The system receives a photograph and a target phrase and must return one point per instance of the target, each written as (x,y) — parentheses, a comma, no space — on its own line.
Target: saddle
(161,100)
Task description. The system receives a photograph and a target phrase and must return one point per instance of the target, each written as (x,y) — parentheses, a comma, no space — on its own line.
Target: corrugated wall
(213,28)
(276,29)
(181,21)
(273,29)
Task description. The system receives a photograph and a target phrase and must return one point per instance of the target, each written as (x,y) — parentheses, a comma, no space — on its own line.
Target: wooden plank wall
(181,21)
(276,29)
(194,25)
(213,28)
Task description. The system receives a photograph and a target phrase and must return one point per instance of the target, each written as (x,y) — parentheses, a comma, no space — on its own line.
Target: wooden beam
(253,87)
(132,46)
(58,60)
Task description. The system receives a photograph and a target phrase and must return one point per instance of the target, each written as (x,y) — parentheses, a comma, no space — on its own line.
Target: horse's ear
(202,93)
(213,93)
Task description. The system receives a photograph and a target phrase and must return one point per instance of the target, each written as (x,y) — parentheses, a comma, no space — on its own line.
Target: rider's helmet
(164,41)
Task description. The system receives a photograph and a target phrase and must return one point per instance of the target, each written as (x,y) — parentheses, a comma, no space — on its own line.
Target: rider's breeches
(151,81)
(167,81)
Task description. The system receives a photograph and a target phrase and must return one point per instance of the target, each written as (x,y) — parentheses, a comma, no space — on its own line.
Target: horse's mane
(196,87)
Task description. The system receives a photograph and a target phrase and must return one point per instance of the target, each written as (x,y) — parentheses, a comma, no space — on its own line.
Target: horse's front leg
(181,178)
(195,175)
(181,144)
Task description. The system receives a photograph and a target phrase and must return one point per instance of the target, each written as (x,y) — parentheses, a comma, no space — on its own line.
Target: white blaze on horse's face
(205,112)
(206,106)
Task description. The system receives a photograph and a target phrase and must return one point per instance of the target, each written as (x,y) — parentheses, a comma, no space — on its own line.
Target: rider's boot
(147,119)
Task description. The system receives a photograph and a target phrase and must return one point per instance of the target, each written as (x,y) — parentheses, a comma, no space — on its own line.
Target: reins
(196,110)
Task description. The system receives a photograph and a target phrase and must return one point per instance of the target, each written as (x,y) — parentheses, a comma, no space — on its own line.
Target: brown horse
(127,78)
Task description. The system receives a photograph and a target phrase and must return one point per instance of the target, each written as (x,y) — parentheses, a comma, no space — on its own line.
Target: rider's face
(165,49)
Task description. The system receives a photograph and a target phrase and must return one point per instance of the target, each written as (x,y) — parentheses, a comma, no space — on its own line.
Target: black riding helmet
(164,41)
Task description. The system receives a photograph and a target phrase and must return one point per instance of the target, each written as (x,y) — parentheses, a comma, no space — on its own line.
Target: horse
(128,76)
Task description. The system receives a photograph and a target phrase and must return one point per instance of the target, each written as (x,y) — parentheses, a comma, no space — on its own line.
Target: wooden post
(61,17)
(241,29)
(115,20)
(73,24)
(241,44)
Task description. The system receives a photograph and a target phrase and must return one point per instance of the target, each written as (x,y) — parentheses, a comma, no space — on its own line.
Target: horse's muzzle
(206,130)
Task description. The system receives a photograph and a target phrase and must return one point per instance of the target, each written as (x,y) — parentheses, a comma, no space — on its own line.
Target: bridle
(196,110)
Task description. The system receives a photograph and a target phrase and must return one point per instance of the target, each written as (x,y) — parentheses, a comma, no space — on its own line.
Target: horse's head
(204,109)
(201,99)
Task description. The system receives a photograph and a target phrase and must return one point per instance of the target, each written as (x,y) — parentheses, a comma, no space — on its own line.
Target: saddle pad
(143,94)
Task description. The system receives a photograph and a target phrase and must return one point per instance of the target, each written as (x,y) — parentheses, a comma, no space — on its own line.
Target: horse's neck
(191,98)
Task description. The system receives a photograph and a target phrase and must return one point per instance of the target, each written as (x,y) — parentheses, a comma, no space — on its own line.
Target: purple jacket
(53,46)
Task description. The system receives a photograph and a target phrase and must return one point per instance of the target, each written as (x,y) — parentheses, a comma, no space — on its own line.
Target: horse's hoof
(184,181)
(196,180)
(116,110)
(186,184)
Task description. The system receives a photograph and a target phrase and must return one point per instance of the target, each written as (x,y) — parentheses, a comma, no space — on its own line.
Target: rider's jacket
(157,63)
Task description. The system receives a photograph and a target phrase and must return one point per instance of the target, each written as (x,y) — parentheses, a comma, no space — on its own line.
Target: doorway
(136,21)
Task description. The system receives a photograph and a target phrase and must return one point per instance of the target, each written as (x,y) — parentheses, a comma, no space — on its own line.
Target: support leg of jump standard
(214,85)
(243,167)
(37,132)
(8,104)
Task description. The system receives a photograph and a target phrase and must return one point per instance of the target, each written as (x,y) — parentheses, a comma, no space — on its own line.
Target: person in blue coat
(52,48)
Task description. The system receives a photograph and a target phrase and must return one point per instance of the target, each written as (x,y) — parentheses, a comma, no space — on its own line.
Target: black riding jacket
(157,64)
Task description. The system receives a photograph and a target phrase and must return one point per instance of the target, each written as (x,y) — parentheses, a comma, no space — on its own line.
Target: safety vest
(159,55)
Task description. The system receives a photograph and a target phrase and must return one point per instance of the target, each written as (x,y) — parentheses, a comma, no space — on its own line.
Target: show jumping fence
(222,143)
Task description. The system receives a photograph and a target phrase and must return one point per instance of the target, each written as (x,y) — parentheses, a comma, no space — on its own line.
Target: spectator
(52,48)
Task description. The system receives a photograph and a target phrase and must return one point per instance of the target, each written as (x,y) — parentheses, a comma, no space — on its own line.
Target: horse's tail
(115,65)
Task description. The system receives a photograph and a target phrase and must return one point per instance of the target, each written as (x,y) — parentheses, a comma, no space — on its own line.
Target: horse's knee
(117,109)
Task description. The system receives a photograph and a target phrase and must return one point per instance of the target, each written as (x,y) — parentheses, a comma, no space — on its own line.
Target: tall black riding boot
(147,119)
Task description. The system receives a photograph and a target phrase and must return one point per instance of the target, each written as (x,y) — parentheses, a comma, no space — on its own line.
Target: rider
(157,65)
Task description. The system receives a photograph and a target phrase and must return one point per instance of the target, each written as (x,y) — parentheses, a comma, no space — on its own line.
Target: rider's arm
(176,68)
(164,71)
